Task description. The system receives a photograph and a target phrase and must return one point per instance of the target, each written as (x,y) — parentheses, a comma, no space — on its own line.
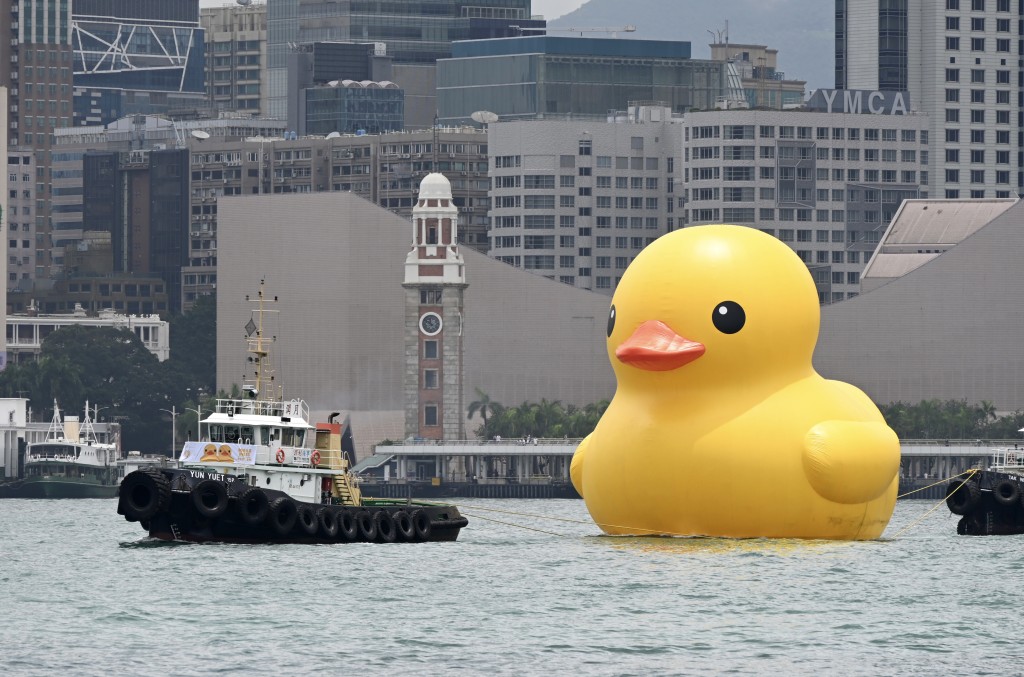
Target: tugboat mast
(259,385)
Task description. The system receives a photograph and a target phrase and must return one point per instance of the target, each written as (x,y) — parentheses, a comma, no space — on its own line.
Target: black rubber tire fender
(962,497)
(282,515)
(367,526)
(386,532)
(421,524)
(143,494)
(348,529)
(305,524)
(252,506)
(327,521)
(403,526)
(1006,492)
(210,498)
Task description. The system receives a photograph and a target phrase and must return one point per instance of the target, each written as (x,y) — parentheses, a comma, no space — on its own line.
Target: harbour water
(84,593)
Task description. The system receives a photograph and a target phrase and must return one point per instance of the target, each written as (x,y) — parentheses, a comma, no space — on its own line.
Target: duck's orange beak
(655,347)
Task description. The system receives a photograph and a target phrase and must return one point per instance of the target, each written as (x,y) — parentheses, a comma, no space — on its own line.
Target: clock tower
(435,282)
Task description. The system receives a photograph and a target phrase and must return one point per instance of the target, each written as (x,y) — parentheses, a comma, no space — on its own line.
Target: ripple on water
(89,594)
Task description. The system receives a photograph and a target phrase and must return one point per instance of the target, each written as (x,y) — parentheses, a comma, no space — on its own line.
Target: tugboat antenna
(260,384)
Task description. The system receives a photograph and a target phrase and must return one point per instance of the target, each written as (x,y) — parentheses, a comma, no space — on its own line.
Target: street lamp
(174,415)
(199,420)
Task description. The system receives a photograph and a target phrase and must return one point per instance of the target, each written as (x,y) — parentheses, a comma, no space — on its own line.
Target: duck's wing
(576,467)
(851,461)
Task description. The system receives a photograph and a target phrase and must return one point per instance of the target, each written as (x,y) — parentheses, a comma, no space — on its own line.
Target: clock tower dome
(435,282)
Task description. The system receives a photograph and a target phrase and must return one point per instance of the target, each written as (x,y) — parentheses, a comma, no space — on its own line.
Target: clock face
(430,323)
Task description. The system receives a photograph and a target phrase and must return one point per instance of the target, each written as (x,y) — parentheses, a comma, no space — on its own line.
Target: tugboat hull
(990,503)
(180,505)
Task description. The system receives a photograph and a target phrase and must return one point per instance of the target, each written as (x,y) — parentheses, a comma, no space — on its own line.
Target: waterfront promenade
(539,468)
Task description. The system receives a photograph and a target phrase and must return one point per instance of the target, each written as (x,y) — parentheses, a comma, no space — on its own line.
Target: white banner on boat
(211,452)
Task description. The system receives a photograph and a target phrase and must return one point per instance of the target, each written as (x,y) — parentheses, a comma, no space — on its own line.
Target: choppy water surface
(83,593)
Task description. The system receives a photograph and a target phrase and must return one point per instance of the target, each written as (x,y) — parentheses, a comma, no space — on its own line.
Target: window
(977,75)
(978,24)
(977,96)
(952,75)
(977,116)
(430,415)
(977,44)
(430,349)
(430,379)
(952,96)
(952,44)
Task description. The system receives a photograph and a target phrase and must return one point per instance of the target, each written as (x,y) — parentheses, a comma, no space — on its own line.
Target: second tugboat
(991,502)
(261,473)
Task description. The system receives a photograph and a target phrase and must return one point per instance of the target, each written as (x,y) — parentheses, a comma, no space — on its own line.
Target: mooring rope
(970,473)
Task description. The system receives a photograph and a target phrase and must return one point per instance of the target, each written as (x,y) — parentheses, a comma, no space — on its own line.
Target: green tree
(483,406)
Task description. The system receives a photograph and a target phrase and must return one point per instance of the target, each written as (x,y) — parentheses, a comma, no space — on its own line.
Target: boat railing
(1008,458)
(279,408)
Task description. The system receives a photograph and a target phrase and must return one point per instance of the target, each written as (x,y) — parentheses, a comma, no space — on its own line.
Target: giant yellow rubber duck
(720,425)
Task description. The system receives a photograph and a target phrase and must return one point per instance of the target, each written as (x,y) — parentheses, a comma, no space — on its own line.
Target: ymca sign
(858,101)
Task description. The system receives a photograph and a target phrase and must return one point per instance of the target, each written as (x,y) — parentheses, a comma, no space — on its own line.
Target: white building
(958,61)
(576,200)
(26,333)
(827,184)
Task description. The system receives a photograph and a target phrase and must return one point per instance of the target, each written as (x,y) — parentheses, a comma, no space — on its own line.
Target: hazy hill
(802,30)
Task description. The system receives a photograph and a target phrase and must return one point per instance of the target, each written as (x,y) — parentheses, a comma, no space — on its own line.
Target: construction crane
(614,30)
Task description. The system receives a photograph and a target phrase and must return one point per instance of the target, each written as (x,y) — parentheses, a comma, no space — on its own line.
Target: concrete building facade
(958,61)
(236,56)
(341,329)
(947,324)
(827,184)
(576,200)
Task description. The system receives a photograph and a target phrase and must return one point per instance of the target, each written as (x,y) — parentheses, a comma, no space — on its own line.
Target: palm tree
(482,405)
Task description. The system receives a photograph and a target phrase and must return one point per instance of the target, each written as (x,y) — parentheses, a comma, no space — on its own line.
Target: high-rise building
(957,60)
(143,56)
(542,76)
(826,184)
(36,68)
(413,32)
(576,200)
(236,56)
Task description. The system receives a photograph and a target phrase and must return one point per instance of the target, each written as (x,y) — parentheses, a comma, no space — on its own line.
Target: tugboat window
(246,435)
(216,433)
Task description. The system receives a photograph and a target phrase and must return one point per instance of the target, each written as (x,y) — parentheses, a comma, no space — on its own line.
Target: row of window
(977,24)
(978,5)
(746,174)
(978,96)
(977,44)
(746,132)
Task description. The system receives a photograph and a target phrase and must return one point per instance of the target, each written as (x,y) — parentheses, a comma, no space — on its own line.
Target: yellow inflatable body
(719,425)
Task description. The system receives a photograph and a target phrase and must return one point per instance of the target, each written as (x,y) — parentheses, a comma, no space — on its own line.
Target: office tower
(415,33)
(958,61)
(826,184)
(545,76)
(35,66)
(576,200)
(138,57)
(236,56)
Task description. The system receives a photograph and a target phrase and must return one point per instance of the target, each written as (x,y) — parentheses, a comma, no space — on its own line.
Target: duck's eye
(728,317)
(611,320)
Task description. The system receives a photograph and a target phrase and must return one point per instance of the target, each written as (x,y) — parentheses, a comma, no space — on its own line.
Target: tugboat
(260,472)
(72,462)
(990,502)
